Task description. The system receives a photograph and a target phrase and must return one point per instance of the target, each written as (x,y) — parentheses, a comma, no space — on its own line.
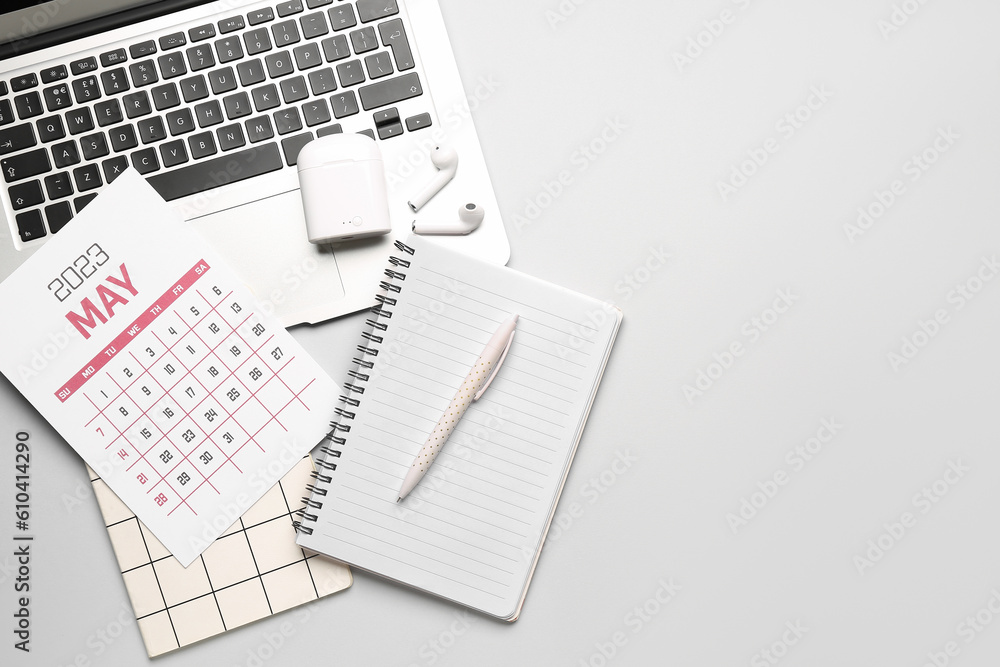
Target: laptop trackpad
(265,243)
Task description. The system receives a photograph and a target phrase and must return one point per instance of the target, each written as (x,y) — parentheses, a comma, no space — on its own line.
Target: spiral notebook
(473,529)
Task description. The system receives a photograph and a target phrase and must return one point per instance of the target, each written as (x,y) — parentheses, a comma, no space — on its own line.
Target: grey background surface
(607,151)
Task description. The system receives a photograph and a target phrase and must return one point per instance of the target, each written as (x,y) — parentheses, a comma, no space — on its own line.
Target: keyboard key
(322,81)
(165,96)
(279,64)
(237,106)
(350,73)
(265,97)
(65,154)
(180,122)
(289,8)
(259,129)
(386,116)
(316,112)
(108,112)
(15,138)
(58,215)
(313,4)
(123,138)
(172,41)
(113,57)
(94,146)
(58,185)
(364,40)
(394,37)
(257,41)
(83,65)
(115,81)
(50,129)
(372,10)
(200,57)
(198,176)
(378,65)
(307,56)
(344,104)
(87,177)
(330,129)
(287,120)
(285,33)
(390,91)
(79,120)
(172,65)
(342,17)
(194,88)
(24,195)
(143,73)
(53,74)
(336,48)
(260,16)
(231,24)
(418,122)
(230,137)
(368,133)
(142,49)
(208,113)
(145,161)
(222,80)
(390,130)
(80,202)
(137,104)
(294,89)
(292,145)
(3,87)
(28,105)
(6,112)
(23,82)
(251,72)
(229,49)
(202,145)
(313,25)
(57,97)
(173,153)
(152,129)
(30,225)
(86,89)
(201,32)
(114,167)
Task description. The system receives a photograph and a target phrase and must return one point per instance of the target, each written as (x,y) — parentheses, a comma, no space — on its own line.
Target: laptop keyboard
(197,109)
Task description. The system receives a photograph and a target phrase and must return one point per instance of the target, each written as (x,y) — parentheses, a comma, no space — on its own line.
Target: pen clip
(495,368)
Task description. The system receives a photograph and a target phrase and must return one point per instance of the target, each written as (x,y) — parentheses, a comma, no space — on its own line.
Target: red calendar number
(160,500)
(142,478)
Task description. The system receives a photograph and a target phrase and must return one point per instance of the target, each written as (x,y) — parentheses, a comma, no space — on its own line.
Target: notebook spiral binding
(371,338)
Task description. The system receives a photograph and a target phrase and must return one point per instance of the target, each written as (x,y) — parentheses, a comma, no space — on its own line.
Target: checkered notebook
(252,571)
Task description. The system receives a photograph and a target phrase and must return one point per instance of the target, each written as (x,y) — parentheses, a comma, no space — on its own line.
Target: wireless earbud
(446,160)
(470,217)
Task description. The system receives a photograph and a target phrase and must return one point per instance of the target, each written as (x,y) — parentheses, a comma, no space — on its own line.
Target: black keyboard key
(390,130)
(94,146)
(23,82)
(180,122)
(30,225)
(265,97)
(152,129)
(58,185)
(115,81)
(194,88)
(137,104)
(222,80)
(50,129)
(378,65)
(165,96)
(394,37)
(390,91)
(229,49)
(115,57)
(342,16)
(364,40)
(3,87)
(279,64)
(55,73)
(368,133)
(143,73)
(344,104)
(80,202)
(6,112)
(231,24)
(373,10)
(307,56)
(114,167)
(172,41)
(202,145)
(336,48)
(108,112)
(260,16)
(15,138)
(198,176)
(83,65)
(316,112)
(79,120)
(25,165)
(123,138)
(292,145)
(285,33)
(294,89)
(313,25)
(145,161)
(58,215)
(86,89)
(386,116)
(329,129)
(259,129)
(173,153)
(200,57)
(27,194)
(322,81)
(65,154)
(28,105)
(313,4)
(208,113)
(350,73)
(251,72)
(87,177)
(172,65)
(287,120)
(237,105)
(142,49)
(231,137)
(57,97)
(257,41)
(289,8)
(418,122)
(201,32)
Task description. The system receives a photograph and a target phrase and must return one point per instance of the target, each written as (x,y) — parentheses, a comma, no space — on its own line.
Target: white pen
(476,382)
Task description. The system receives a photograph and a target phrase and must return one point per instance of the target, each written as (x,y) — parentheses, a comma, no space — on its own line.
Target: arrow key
(24,195)
(25,165)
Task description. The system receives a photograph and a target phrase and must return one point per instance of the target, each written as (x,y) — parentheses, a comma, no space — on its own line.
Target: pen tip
(399,500)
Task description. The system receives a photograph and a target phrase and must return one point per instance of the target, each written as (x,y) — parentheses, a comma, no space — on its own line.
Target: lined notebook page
(472,528)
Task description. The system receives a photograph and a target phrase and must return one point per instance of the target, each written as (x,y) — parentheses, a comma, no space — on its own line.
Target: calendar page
(131,337)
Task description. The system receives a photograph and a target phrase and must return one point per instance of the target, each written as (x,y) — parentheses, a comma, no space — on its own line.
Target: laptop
(211,102)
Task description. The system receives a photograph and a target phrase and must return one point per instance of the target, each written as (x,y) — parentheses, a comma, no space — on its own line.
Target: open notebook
(472,530)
